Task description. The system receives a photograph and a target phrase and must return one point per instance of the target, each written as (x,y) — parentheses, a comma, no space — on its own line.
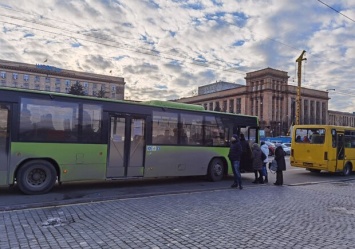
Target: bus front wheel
(216,170)
(36,177)
(347,169)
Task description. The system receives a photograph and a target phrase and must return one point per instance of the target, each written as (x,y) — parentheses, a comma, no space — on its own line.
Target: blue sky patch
(161,87)
(144,38)
(120,57)
(238,43)
(28,35)
(76,45)
(153,4)
(172,33)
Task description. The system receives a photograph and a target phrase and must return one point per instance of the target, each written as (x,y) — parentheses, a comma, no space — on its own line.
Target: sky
(166,49)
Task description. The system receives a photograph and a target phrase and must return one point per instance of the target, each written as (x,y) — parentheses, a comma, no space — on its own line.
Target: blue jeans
(236,172)
(264,170)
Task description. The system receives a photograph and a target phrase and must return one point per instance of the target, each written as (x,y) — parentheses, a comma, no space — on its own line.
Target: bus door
(126,147)
(340,151)
(4,141)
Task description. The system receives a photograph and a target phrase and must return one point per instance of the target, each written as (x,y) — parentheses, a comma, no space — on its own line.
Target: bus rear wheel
(347,169)
(36,177)
(216,170)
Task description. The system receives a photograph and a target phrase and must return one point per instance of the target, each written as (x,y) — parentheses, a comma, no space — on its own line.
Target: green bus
(48,138)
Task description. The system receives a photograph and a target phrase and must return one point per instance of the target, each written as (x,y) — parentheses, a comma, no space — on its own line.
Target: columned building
(341,118)
(267,95)
(49,78)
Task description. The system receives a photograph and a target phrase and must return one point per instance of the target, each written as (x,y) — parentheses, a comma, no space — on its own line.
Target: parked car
(287,144)
(286,149)
(272,148)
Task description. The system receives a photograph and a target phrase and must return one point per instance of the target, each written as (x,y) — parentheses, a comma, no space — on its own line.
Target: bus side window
(334,138)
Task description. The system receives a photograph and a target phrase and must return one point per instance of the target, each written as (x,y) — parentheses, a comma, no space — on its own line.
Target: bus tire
(347,169)
(36,177)
(216,170)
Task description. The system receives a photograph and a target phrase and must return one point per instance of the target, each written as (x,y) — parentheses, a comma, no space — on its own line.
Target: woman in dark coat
(281,165)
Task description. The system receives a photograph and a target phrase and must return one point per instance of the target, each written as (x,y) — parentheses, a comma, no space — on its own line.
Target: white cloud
(156,44)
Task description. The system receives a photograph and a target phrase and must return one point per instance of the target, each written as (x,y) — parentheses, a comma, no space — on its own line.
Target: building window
(26,77)
(3,75)
(318,112)
(261,109)
(14,84)
(86,85)
(47,88)
(225,105)
(312,116)
(113,95)
(113,88)
(205,106)
(26,85)
(3,82)
(48,79)
(57,81)
(37,87)
(231,105)
(305,112)
(15,76)
(57,89)
(324,111)
(217,107)
(211,106)
(67,83)
(239,106)
(94,85)
(37,78)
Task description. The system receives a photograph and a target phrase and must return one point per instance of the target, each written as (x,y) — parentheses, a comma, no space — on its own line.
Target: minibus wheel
(347,169)
(36,177)
(216,170)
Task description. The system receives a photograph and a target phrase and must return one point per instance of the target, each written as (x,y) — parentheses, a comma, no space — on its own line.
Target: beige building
(48,78)
(341,118)
(267,95)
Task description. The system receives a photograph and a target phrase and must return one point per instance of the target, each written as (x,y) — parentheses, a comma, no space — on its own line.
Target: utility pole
(298,99)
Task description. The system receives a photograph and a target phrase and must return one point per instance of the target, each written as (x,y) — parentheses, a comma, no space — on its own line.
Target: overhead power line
(336,11)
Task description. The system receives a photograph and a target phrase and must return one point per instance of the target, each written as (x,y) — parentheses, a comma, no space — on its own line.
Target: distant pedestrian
(234,155)
(257,163)
(281,165)
(265,149)
(246,158)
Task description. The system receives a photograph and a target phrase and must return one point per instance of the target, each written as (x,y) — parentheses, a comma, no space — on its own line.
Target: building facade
(341,118)
(48,78)
(267,95)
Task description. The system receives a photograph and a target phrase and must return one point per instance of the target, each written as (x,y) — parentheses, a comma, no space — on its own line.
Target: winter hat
(235,137)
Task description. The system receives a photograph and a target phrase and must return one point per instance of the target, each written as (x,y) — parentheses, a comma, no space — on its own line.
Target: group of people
(241,154)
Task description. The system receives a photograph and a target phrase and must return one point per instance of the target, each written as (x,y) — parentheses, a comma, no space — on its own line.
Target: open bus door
(4,141)
(126,147)
(340,152)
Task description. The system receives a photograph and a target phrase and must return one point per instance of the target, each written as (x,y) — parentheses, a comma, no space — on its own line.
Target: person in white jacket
(265,149)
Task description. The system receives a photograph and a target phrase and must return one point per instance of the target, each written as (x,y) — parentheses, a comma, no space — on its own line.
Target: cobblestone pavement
(311,216)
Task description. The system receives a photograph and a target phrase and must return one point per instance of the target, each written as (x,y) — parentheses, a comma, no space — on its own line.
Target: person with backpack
(257,163)
(234,155)
(265,149)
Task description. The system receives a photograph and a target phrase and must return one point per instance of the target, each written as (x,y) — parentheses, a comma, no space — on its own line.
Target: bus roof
(176,105)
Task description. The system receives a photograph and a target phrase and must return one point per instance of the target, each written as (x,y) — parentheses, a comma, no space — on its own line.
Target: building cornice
(30,68)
